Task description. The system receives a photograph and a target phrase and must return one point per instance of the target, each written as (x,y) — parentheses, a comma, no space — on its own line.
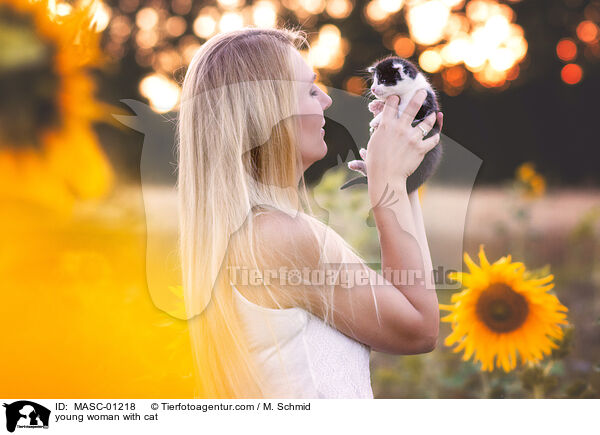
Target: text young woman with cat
(250,123)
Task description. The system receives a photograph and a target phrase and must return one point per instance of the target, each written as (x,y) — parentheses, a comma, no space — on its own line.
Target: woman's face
(312,102)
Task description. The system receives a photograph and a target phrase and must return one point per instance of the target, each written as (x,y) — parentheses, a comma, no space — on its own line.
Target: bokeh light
(102,14)
(427,20)
(63,9)
(355,85)
(430,61)
(312,6)
(404,46)
(587,31)
(162,92)
(230,4)
(390,6)
(566,49)
(264,13)
(479,37)
(339,9)
(181,7)
(175,26)
(230,21)
(146,18)
(329,49)
(375,14)
(571,74)
(455,76)
(205,24)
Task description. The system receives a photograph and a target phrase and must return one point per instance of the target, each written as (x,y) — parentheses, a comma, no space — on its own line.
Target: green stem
(548,367)
(485,385)
(538,391)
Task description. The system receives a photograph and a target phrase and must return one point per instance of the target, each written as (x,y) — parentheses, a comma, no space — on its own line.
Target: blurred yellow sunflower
(501,310)
(530,182)
(49,152)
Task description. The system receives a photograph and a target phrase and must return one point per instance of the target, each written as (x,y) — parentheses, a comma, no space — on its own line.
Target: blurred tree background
(516,78)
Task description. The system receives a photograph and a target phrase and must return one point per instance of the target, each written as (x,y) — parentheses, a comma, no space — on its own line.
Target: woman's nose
(328,101)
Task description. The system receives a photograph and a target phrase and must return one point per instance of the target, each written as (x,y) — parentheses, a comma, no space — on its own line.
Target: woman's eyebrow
(314,77)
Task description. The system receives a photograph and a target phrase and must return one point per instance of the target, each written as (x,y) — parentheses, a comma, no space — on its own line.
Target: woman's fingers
(423,128)
(413,107)
(391,107)
(429,143)
(428,122)
(358,166)
(363,153)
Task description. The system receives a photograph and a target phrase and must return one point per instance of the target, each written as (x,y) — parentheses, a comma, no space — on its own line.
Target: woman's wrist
(383,192)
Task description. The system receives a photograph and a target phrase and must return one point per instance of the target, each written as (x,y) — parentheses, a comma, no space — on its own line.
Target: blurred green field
(78,286)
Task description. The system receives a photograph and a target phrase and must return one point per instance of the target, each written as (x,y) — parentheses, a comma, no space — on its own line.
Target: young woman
(280,305)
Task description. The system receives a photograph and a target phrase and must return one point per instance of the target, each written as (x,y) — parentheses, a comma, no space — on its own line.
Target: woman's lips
(322,132)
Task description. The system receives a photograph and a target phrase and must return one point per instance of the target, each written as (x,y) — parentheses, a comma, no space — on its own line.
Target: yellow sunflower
(49,152)
(526,172)
(502,310)
(530,182)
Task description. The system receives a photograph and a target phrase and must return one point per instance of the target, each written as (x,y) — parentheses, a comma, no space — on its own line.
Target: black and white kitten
(398,76)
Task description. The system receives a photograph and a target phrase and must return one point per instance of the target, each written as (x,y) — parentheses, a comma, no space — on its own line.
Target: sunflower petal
(482,258)
(471,264)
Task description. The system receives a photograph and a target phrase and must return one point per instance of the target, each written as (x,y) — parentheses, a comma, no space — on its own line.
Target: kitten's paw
(374,123)
(376,106)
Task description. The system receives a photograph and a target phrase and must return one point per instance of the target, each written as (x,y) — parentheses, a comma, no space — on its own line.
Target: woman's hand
(376,107)
(396,149)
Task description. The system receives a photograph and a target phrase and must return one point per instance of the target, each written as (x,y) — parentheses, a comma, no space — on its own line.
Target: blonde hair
(238,154)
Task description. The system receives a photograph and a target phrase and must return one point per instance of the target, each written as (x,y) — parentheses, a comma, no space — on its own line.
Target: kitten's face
(392,76)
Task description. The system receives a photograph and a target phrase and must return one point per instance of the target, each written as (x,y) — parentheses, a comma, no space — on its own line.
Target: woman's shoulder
(280,229)
(302,237)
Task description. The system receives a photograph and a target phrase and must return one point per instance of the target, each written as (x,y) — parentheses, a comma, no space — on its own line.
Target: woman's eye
(314,92)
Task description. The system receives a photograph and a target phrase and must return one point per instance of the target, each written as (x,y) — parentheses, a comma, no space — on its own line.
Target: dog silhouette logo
(26,414)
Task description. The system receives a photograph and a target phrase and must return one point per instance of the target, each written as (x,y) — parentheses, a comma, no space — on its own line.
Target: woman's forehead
(304,72)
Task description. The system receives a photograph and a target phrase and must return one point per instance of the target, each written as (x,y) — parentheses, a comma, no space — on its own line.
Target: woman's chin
(322,154)
(317,153)
(323,143)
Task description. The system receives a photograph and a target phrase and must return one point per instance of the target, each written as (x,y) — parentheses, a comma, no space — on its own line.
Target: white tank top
(311,360)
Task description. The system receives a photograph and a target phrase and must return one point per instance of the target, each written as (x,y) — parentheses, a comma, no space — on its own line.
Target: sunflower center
(501,308)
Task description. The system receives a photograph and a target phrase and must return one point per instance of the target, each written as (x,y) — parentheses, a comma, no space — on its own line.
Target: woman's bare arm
(390,319)
(422,237)
(405,253)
